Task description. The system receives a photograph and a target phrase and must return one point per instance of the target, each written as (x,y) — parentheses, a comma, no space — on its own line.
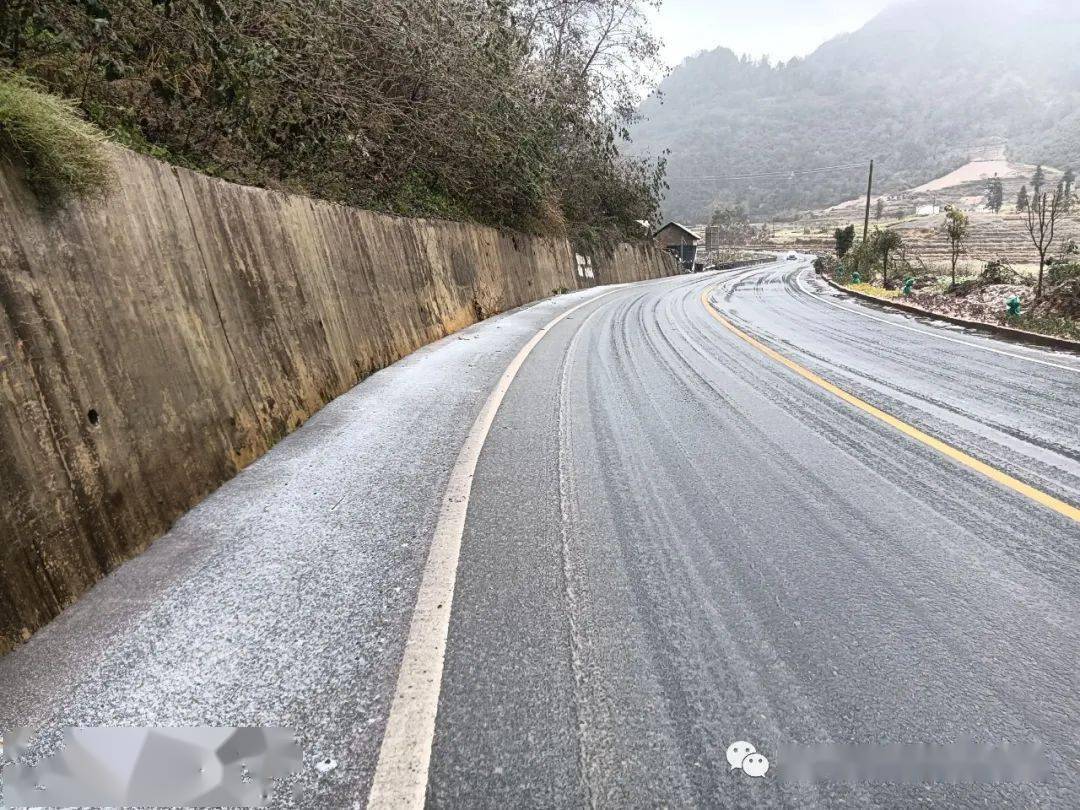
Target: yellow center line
(994,474)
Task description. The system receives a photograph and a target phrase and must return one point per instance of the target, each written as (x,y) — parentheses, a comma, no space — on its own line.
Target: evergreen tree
(1037,181)
(845,238)
(995,194)
(880,210)
(1022,200)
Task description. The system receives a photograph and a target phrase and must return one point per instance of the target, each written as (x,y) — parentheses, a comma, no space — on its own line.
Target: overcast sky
(780,28)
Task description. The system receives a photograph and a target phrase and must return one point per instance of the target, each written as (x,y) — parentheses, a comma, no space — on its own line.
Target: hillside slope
(456,110)
(917,213)
(921,88)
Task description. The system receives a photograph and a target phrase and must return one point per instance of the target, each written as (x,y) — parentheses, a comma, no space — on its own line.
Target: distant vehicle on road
(792,257)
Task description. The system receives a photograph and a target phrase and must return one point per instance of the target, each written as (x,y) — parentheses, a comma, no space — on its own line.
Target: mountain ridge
(919,88)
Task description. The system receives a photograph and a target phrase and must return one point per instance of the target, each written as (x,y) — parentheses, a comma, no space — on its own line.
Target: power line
(774,174)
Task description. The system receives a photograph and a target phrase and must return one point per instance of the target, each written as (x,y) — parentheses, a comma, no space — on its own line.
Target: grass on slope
(870,289)
(1053,325)
(58,153)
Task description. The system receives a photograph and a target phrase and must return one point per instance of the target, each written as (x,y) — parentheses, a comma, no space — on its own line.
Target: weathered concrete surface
(154,344)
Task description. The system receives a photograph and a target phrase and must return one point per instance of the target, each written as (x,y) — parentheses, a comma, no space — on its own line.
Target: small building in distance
(679,241)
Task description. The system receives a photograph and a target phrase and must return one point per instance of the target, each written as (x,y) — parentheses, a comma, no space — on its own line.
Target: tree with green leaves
(845,238)
(1068,181)
(1037,181)
(995,194)
(879,209)
(885,242)
(1022,200)
(956,229)
(860,259)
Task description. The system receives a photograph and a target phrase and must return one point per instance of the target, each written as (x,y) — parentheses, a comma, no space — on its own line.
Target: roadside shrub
(838,271)
(1059,272)
(842,273)
(58,153)
(826,264)
(510,113)
(926,277)
(1000,271)
(1062,300)
(862,259)
(1049,324)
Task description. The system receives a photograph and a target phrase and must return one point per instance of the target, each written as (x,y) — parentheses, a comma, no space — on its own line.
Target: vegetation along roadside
(512,113)
(1043,297)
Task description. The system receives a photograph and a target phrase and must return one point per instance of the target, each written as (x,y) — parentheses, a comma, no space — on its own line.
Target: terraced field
(992,235)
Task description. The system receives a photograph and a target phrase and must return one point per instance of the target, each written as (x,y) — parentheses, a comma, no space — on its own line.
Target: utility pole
(869,189)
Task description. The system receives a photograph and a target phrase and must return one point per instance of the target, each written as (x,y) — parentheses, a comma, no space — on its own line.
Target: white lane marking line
(816,297)
(401,773)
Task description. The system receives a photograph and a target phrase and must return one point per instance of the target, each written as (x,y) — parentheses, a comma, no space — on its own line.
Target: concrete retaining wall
(154,344)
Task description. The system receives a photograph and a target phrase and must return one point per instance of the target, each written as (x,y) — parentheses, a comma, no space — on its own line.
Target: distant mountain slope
(919,88)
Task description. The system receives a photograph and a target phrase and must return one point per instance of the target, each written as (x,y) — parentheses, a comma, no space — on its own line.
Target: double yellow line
(994,474)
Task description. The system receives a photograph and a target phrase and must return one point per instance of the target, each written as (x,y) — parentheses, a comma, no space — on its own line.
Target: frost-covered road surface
(673,542)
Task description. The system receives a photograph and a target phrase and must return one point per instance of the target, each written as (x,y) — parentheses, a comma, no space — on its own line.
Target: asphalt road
(673,542)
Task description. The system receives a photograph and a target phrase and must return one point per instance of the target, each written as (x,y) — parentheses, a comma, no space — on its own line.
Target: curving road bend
(673,541)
